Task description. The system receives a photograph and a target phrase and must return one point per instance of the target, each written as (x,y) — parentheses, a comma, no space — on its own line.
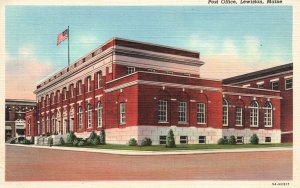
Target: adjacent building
(134,89)
(15,110)
(279,78)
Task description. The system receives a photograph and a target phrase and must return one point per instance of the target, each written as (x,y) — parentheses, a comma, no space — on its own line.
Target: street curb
(141,153)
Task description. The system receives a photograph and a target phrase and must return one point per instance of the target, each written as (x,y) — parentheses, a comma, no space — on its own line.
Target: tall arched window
(53,123)
(79,117)
(89,116)
(28,127)
(99,115)
(43,125)
(268,114)
(48,124)
(225,112)
(253,114)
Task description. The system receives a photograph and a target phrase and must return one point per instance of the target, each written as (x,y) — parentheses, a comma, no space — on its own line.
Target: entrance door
(72,124)
(65,126)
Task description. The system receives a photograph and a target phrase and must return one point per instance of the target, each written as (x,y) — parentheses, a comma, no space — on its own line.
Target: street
(42,164)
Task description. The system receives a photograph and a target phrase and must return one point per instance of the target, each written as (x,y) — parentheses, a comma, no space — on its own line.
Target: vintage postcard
(195,94)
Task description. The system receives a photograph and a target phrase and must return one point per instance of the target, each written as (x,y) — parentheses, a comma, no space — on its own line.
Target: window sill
(201,123)
(162,122)
(225,125)
(239,125)
(254,126)
(122,123)
(269,126)
(288,89)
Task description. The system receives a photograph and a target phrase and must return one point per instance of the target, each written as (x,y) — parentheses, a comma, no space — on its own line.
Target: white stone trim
(252,95)
(260,83)
(287,77)
(78,102)
(274,80)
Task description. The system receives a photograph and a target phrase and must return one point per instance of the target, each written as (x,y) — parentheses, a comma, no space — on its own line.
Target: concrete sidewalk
(173,152)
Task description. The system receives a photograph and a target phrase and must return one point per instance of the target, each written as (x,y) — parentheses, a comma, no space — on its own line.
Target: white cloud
(230,60)
(22,73)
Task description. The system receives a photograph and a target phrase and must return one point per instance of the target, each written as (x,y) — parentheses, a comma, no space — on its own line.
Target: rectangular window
(260,86)
(88,86)
(268,140)
(65,93)
(71,91)
(122,113)
(183,139)
(99,80)
(182,112)
(151,70)
(79,89)
(289,83)
(162,139)
(162,111)
(200,113)
(275,85)
(130,70)
(202,139)
(238,116)
(239,139)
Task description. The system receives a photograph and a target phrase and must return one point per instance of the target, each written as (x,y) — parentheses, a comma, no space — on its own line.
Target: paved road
(39,164)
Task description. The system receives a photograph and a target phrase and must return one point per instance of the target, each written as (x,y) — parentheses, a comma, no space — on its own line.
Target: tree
(170,140)
(102,137)
(254,139)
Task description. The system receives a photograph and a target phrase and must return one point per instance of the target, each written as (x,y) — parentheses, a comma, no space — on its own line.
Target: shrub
(75,142)
(254,139)
(170,140)
(232,140)
(71,137)
(102,137)
(61,142)
(92,135)
(32,140)
(95,141)
(146,142)
(132,142)
(81,143)
(25,141)
(50,141)
(223,141)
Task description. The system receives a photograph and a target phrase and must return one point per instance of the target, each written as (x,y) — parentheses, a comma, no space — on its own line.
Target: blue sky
(226,37)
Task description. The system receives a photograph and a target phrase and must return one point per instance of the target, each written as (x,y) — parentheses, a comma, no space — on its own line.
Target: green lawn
(182,147)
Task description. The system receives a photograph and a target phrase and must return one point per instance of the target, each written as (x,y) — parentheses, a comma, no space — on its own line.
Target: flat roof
(258,74)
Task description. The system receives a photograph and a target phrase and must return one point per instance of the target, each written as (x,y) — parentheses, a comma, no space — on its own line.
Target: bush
(95,141)
(170,140)
(146,142)
(223,141)
(102,137)
(75,142)
(81,143)
(61,142)
(132,142)
(92,135)
(32,140)
(50,141)
(232,140)
(254,139)
(71,137)
(25,141)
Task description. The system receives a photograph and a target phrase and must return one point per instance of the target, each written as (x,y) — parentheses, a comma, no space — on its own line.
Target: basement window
(239,139)
(268,140)
(202,139)
(183,139)
(162,139)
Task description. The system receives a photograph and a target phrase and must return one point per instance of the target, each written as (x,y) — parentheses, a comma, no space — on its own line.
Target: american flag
(62,36)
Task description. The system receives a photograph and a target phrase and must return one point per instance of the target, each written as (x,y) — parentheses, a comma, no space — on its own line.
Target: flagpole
(68,46)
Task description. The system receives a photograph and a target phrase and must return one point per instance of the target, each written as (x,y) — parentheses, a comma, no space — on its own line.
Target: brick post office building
(136,90)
